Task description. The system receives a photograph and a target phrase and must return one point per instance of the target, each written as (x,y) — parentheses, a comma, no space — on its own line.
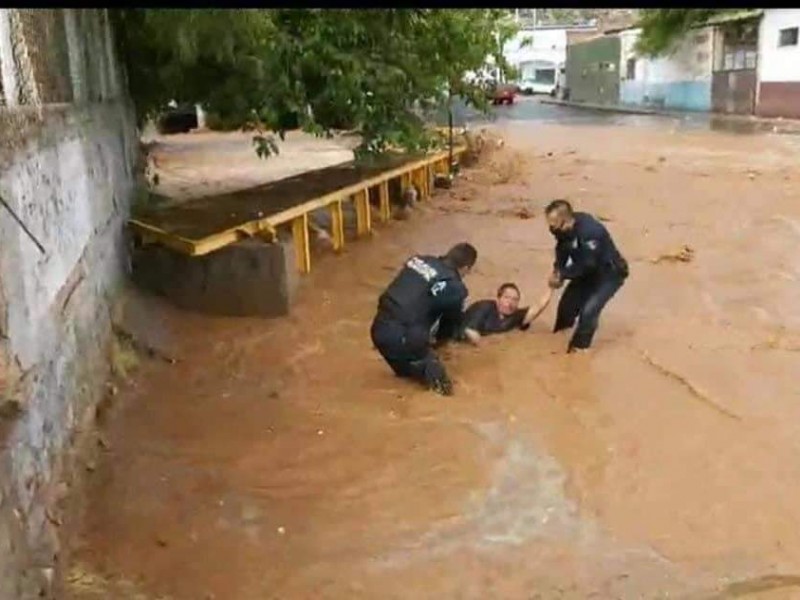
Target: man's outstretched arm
(535,310)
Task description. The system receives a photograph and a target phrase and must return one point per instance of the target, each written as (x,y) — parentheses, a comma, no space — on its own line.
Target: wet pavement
(281,459)
(531,109)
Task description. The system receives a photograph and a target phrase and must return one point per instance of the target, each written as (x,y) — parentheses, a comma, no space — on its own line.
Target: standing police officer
(587,257)
(428,292)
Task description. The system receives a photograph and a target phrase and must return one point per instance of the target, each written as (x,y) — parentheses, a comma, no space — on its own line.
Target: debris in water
(524,213)
(685,254)
(161,541)
(281,530)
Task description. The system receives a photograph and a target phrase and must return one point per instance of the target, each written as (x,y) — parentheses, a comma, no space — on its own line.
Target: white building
(779,63)
(680,80)
(539,53)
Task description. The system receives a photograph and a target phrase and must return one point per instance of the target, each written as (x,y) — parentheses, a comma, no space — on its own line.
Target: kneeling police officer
(428,294)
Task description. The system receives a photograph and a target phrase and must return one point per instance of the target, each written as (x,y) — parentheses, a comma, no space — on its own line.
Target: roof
(742,15)
(595,37)
(576,27)
(620,29)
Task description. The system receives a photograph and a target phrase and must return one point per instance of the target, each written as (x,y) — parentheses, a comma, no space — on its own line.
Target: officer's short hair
(506,286)
(461,255)
(559,204)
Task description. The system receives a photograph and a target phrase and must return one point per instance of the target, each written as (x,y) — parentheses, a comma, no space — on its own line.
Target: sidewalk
(737,122)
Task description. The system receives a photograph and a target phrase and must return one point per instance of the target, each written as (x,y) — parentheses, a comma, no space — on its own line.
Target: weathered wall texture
(680,80)
(67,146)
(778,65)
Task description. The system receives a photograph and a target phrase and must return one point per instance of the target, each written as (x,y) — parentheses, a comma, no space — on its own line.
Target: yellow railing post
(337,225)
(302,245)
(363,216)
(416,180)
(385,207)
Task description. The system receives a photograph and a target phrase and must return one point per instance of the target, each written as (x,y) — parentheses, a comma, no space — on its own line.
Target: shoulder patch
(419,266)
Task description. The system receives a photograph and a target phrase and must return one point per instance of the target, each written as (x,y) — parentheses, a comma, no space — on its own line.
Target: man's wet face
(559,222)
(508,301)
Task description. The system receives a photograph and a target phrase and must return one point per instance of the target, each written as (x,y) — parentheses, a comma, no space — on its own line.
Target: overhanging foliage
(663,28)
(374,71)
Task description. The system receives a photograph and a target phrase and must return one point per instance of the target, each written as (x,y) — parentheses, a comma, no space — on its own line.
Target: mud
(281,459)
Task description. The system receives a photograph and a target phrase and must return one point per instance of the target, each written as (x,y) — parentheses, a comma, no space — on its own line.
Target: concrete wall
(66,169)
(680,80)
(778,67)
(592,71)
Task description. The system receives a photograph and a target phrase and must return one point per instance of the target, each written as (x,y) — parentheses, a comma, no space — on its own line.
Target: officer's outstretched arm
(535,310)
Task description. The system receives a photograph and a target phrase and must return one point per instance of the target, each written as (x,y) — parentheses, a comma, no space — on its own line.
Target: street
(282,459)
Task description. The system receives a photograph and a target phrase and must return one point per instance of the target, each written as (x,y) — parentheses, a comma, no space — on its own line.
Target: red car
(504,94)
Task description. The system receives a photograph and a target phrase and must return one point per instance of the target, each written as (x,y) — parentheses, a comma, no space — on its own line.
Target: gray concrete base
(250,278)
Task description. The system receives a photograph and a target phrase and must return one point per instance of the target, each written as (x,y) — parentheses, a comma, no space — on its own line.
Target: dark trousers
(584,299)
(406,349)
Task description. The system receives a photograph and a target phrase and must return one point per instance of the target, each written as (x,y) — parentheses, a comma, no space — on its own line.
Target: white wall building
(540,53)
(779,63)
(681,80)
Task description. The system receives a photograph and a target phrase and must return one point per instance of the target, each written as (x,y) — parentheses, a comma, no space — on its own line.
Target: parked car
(178,119)
(531,86)
(503,93)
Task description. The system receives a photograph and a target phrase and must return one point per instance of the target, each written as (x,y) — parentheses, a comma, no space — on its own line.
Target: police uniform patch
(438,287)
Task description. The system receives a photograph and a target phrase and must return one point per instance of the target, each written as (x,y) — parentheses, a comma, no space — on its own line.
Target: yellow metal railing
(417,172)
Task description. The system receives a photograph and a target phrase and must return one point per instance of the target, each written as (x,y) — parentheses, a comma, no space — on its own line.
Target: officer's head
(508,296)
(461,257)
(560,217)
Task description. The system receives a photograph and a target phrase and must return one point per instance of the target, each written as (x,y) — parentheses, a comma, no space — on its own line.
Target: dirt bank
(283,460)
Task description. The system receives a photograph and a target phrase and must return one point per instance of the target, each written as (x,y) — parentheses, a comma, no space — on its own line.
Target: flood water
(282,459)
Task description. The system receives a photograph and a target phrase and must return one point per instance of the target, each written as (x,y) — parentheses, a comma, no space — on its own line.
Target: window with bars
(630,69)
(788,37)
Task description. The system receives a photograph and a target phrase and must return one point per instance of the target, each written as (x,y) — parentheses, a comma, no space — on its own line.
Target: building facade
(539,53)
(592,71)
(678,81)
(66,180)
(734,82)
(779,64)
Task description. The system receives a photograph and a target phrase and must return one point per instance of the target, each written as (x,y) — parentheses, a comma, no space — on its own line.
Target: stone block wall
(68,146)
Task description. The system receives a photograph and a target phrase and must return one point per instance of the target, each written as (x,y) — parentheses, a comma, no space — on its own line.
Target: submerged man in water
(486,317)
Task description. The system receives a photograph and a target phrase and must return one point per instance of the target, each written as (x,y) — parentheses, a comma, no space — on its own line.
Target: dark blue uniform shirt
(587,250)
(426,291)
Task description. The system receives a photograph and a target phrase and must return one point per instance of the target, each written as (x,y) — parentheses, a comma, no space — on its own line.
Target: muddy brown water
(281,459)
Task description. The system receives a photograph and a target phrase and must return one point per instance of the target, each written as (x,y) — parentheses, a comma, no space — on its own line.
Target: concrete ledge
(605,107)
(742,123)
(249,278)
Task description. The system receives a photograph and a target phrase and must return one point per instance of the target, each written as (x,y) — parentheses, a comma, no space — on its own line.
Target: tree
(372,70)
(663,28)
